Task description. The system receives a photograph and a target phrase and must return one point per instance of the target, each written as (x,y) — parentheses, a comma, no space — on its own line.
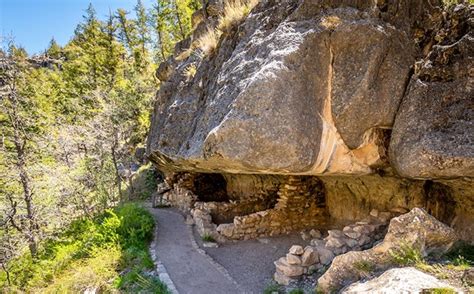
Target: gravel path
(190,269)
(250,262)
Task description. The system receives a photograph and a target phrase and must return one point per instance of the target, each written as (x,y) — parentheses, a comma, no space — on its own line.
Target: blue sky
(34,22)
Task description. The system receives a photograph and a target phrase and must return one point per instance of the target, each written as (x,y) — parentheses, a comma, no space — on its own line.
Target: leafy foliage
(71,120)
(90,253)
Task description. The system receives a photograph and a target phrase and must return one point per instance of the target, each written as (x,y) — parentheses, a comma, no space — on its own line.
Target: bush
(91,254)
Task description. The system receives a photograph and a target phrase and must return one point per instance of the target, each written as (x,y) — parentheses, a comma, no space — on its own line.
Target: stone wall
(300,205)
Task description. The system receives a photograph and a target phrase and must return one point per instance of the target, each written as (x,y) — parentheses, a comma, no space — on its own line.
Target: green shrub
(272,288)
(407,255)
(208,238)
(136,227)
(92,253)
(296,291)
(364,266)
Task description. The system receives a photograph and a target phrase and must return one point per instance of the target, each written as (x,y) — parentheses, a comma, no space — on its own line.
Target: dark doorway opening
(210,187)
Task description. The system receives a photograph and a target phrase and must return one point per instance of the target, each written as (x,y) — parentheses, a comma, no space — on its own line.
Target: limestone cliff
(375,98)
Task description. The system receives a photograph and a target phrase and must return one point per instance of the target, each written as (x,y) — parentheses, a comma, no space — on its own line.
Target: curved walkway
(190,269)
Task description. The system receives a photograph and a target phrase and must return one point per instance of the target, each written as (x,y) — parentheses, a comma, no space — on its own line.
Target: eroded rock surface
(301,87)
(398,280)
(416,230)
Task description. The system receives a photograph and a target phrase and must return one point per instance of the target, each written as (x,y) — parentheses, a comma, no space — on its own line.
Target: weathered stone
(416,229)
(433,133)
(352,243)
(296,250)
(384,217)
(374,213)
(287,269)
(309,257)
(325,255)
(318,243)
(399,280)
(335,233)
(293,259)
(468,277)
(210,244)
(226,230)
(352,234)
(333,242)
(315,234)
(282,279)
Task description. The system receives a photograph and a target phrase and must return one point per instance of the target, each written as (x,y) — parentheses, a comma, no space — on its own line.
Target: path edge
(160,268)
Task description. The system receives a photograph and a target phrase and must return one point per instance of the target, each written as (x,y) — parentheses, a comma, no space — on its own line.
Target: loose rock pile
(416,230)
(354,237)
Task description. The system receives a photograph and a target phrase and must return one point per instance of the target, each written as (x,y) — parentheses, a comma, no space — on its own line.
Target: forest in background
(71,121)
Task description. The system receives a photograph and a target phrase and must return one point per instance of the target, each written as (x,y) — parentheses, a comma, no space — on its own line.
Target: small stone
(287,269)
(317,243)
(398,210)
(374,213)
(353,234)
(189,220)
(226,229)
(363,229)
(293,259)
(384,216)
(305,236)
(325,255)
(333,242)
(210,244)
(282,279)
(364,240)
(316,234)
(335,233)
(363,223)
(351,242)
(296,250)
(309,257)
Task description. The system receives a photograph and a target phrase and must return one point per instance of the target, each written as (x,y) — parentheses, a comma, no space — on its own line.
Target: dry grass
(234,12)
(208,41)
(190,71)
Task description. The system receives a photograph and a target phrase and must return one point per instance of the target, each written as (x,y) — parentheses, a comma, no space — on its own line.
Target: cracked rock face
(288,92)
(323,88)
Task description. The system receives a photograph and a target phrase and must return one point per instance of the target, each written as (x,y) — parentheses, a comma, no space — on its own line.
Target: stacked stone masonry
(355,237)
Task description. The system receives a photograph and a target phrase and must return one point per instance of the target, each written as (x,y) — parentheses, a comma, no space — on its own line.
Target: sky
(33,23)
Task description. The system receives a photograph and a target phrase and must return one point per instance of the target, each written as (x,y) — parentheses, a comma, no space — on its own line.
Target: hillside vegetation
(72,120)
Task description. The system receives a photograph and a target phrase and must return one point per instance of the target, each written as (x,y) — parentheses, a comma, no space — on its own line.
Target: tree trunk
(178,18)
(20,144)
(114,159)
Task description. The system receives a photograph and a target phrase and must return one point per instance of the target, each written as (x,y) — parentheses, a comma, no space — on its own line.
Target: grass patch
(438,291)
(407,255)
(296,291)
(364,266)
(234,12)
(462,255)
(207,238)
(208,41)
(108,253)
(272,288)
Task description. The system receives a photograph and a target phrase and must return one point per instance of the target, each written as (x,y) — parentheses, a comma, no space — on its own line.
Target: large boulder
(399,280)
(301,87)
(413,231)
(433,134)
